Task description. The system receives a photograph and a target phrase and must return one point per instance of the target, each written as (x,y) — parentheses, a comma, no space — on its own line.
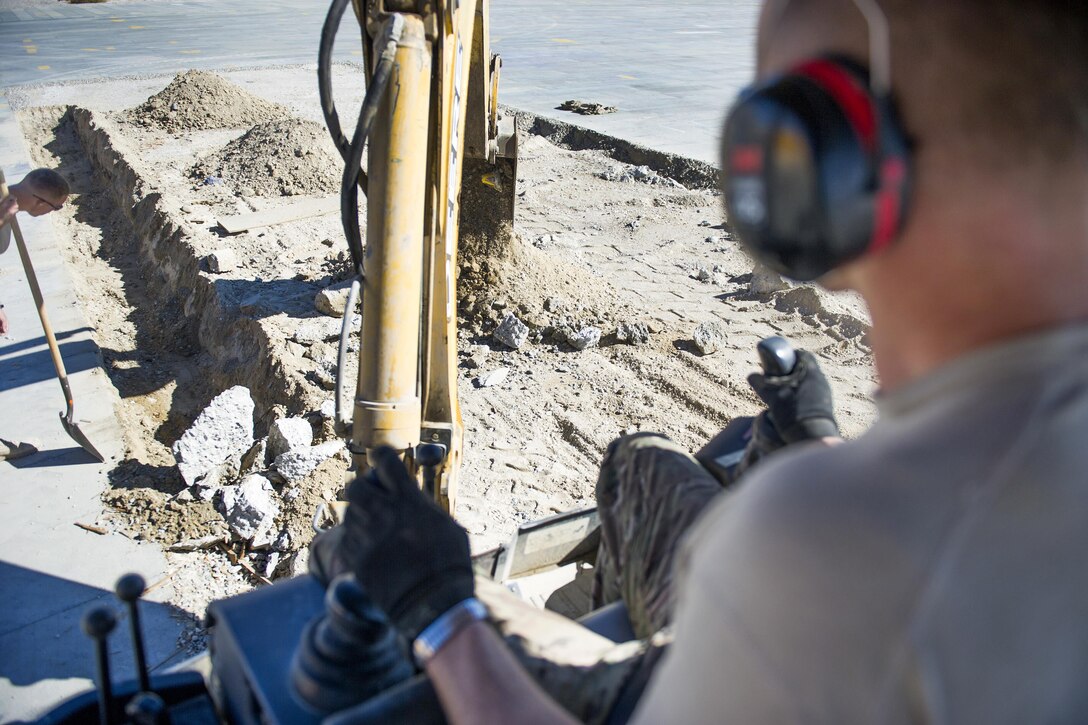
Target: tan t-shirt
(935,570)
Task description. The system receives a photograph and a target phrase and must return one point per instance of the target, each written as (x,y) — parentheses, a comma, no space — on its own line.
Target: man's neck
(962,285)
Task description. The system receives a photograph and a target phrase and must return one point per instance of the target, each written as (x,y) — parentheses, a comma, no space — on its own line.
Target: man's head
(41,191)
(994,94)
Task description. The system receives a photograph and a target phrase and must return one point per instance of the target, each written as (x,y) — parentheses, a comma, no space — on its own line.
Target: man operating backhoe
(933,156)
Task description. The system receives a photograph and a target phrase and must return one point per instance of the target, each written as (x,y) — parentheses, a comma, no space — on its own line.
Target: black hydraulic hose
(349,189)
(324,74)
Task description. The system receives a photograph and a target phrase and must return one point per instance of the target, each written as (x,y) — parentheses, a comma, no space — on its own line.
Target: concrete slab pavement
(672,68)
(51,571)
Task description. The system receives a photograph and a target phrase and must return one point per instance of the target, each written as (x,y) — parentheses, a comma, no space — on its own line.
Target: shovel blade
(72,429)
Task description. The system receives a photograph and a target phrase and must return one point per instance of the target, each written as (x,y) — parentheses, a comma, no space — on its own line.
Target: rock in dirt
(765,280)
(298,564)
(316,329)
(640,174)
(584,337)
(278,158)
(555,304)
(709,337)
(222,260)
(250,508)
(493,378)
(300,462)
(586,109)
(198,100)
(333,300)
(222,431)
(632,333)
(511,332)
(288,434)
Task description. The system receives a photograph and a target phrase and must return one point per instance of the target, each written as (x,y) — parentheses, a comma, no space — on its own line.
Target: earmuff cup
(816,169)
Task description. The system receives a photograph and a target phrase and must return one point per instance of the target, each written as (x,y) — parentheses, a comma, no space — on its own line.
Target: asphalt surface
(671,68)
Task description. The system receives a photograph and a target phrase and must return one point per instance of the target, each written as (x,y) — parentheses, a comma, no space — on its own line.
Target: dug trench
(618,302)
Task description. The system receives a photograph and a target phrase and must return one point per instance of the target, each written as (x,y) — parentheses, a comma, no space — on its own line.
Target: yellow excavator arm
(430,123)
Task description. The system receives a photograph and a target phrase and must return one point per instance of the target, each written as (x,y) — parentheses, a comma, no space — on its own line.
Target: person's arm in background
(8,208)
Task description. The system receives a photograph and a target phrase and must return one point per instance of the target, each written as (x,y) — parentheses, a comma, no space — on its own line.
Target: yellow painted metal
(387,405)
(441,409)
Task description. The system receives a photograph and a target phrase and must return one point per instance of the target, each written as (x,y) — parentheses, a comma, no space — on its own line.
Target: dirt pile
(277,158)
(198,101)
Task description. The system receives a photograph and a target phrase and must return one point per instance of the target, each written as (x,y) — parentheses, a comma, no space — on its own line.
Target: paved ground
(671,69)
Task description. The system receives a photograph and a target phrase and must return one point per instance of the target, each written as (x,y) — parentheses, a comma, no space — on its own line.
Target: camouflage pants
(649,493)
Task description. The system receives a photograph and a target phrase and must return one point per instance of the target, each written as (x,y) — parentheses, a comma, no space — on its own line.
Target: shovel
(66,419)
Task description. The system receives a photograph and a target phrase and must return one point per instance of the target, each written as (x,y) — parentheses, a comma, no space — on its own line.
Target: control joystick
(129,589)
(97,624)
(348,655)
(429,456)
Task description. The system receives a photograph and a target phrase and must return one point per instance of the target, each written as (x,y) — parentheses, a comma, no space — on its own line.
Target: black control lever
(147,708)
(97,624)
(725,451)
(129,589)
(429,456)
(349,654)
(776,356)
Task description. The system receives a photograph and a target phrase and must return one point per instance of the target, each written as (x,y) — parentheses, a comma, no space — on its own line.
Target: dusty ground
(589,249)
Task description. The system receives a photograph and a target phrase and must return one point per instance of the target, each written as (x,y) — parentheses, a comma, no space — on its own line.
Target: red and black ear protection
(816,168)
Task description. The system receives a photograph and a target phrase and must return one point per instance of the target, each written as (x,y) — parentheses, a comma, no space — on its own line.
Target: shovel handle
(36,291)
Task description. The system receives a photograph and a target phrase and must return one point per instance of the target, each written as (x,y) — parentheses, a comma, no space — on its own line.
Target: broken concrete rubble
(333,300)
(223,430)
(300,462)
(316,329)
(288,434)
(250,508)
(511,332)
(584,337)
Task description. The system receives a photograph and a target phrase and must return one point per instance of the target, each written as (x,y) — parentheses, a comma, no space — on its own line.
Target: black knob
(429,456)
(98,622)
(147,708)
(129,589)
(776,356)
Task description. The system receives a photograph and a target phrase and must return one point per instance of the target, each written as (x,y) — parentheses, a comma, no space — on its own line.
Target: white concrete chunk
(250,508)
(222,431)
(299,463)
(288,434)
(511,332)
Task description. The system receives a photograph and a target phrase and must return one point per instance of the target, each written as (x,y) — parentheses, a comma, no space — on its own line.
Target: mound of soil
(198,100)
(277,158)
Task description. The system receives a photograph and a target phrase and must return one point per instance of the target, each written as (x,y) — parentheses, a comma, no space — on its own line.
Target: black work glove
(799,404)
(407,553)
